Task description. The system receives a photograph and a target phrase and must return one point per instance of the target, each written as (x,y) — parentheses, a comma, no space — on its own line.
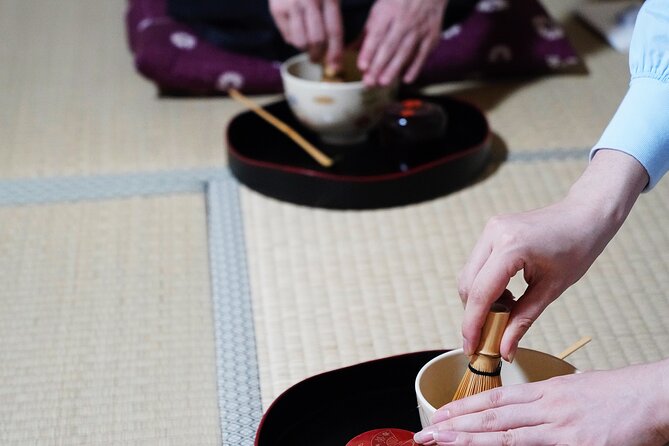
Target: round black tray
(332,408)
(363,176)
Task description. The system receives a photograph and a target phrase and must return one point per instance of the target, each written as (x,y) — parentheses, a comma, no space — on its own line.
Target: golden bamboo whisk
(483,372)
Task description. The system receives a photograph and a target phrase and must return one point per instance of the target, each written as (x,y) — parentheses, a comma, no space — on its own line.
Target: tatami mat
(106,328)
(72,103)
(335,288)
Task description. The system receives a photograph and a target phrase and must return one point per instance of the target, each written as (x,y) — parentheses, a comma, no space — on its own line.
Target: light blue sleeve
(640,127)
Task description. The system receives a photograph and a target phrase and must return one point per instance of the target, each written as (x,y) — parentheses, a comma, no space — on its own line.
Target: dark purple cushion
(499,38)
(174,57)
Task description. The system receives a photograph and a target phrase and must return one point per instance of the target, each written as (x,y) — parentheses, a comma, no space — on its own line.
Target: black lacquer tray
(364,176)
(332,408)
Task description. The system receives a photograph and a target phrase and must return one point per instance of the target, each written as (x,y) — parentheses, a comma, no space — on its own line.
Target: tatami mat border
(240,402)
(547,155)
(104,187)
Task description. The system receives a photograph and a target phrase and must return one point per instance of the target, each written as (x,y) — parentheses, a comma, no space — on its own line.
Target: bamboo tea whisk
(483,372)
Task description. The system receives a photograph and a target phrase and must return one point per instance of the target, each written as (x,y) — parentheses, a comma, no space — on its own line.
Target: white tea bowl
(341,113)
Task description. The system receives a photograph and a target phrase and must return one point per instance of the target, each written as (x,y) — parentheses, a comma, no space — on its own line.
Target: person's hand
(314,26)
(399,36)
(553,246)
(627,406)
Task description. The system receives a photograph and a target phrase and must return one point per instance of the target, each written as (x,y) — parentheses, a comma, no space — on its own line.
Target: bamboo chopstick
(575,346)
(316,154)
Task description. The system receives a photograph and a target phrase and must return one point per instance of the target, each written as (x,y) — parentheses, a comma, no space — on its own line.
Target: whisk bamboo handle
(575,346)
(316,154)
(493,329)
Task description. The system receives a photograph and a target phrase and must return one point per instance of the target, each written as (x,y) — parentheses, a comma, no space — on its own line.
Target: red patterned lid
(383,437)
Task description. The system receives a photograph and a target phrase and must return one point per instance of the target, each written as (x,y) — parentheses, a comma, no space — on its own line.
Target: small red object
(412,103)
(383,437)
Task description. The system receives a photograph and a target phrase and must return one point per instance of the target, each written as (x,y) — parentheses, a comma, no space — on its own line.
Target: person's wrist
(609,187)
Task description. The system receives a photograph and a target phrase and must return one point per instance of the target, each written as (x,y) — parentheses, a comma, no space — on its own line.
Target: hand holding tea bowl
(341,113)
(437,381)
(626,406)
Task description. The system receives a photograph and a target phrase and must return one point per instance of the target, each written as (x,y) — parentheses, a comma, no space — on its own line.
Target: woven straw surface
(106,326)
(106,332)
(72,103)
(336,288)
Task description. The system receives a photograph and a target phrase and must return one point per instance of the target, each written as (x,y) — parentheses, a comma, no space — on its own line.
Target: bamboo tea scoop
(316,154)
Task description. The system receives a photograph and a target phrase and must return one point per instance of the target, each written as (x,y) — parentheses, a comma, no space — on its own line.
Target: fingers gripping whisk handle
(493,329)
